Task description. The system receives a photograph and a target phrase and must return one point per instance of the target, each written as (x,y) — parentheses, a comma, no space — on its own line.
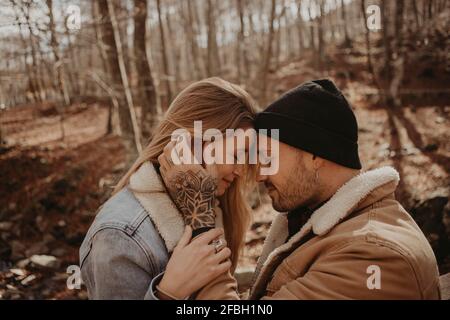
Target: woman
(136,230)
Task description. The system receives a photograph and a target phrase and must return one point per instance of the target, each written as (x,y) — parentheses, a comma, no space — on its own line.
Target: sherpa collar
(149,189)
(340,205)
(349,196)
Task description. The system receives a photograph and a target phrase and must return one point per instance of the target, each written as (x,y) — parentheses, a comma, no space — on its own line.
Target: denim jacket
(130,241)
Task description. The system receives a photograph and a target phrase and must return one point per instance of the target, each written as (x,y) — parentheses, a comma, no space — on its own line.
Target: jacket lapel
(343,203)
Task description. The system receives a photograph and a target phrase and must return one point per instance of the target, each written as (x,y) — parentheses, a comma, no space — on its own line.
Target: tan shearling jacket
(364,246)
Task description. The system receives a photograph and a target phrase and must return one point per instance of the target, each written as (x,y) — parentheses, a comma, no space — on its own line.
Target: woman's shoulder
(124,216)
(121,211)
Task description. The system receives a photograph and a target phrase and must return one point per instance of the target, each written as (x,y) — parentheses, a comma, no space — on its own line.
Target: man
(344,235)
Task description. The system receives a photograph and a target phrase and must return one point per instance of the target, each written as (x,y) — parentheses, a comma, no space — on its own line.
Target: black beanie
(315,117)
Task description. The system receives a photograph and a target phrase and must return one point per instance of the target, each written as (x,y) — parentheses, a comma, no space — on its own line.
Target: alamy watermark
(236,146)
(374,17)
(74,280)
(73,20)
(374,280)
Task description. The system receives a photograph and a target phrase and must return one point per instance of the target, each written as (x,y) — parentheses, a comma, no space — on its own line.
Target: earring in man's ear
(316,173)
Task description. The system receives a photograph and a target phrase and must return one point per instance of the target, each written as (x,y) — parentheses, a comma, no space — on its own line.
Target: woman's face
(227,171)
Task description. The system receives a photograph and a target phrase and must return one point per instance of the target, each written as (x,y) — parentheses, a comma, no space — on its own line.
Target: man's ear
(317,162)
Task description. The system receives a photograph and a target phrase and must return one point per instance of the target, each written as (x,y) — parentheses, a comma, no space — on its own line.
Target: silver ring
(218,245)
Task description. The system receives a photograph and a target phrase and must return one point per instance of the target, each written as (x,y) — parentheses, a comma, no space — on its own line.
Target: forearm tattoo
(193,193)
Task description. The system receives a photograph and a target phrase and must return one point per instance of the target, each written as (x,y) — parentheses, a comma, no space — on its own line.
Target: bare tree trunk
(347,40)
(194,50)
(290,47)
(127,116)
(430,9)
(321,44)
(165,66)
(175,49)
(367,38)
(386,39)
(300,26)
(399,54)
(73,74)
(416,14)
(58,66)
(146,87)
(114,105)
(312,35)
(387,54)
(399,9)
(98,37)
(33,83)
(113,108)
(213,65)
(333,21)
(55,49)
(223,56)
(279,36)
(242,57)
(252,53)
(25,9)
(268,54)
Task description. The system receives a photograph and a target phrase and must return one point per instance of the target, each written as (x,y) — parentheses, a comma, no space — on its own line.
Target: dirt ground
(51,188)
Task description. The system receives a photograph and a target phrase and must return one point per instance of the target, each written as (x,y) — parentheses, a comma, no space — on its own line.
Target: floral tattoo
(193,193)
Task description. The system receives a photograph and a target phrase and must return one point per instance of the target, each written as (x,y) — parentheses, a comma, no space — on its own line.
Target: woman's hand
(193,265)
(191,187)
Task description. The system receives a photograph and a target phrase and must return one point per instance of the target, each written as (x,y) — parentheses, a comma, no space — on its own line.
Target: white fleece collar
(149,189)
(349,196)
(323,219)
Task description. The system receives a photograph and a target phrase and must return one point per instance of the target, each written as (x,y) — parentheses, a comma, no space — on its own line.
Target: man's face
(294,184)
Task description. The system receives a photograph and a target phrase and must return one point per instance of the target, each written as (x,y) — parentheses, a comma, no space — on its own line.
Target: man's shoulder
(385,222)
(389,227)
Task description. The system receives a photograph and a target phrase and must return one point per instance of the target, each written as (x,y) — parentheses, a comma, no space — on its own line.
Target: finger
(197,158)
(222,255)
(163,162)
(174,156)
(207,250)
(170,145)
(179,151)
(184,143)
(163,172)
(185,238)
(223,267)
(223,242)
(209,236)
(168,148)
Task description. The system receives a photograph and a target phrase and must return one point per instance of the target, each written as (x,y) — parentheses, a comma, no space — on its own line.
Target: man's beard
(298,190)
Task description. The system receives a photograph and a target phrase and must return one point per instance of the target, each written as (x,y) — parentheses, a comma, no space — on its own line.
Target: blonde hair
(218,104)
